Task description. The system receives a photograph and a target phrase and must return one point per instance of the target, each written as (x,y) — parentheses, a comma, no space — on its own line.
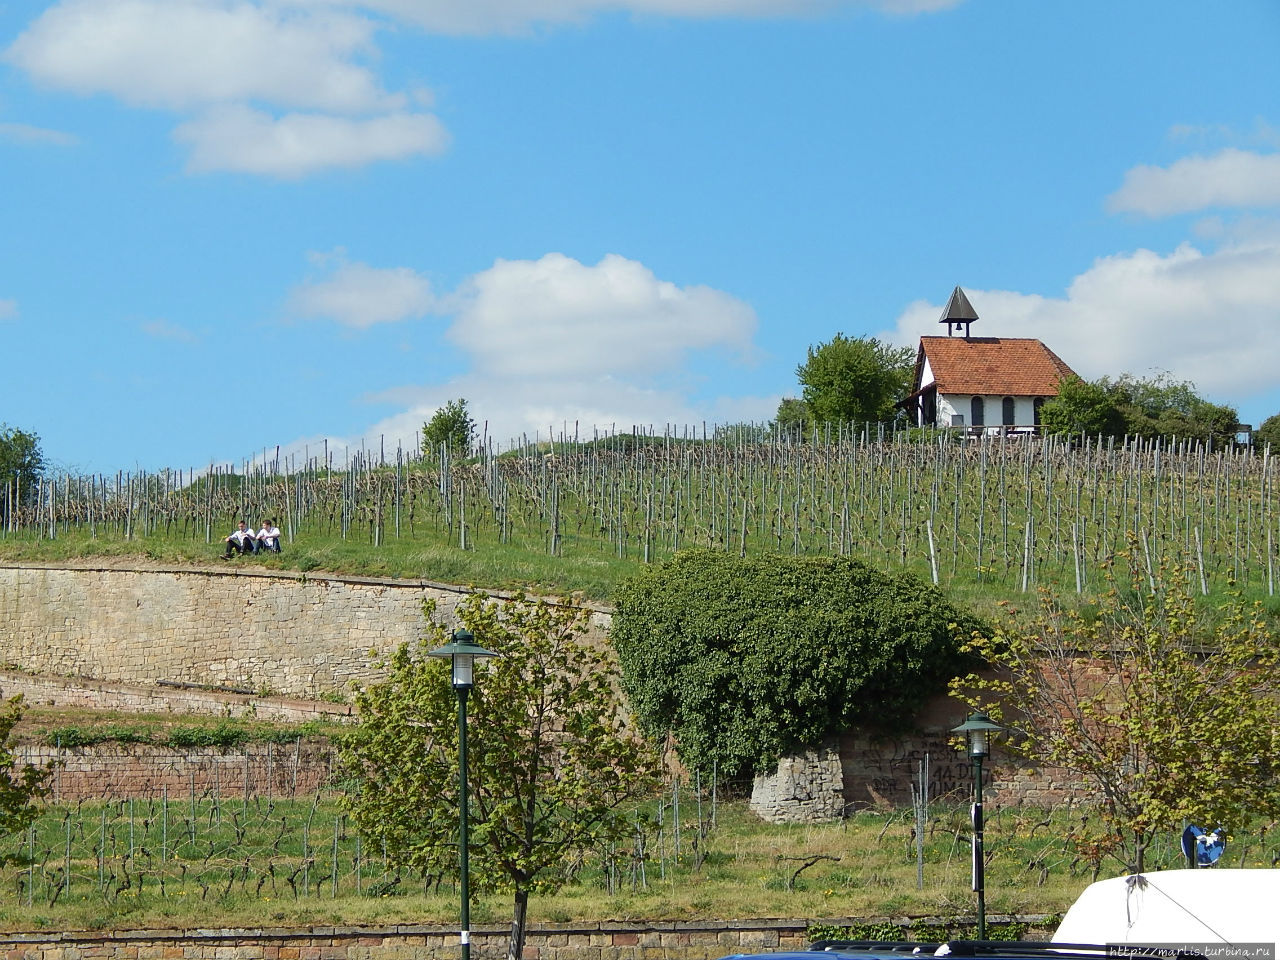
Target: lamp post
(463,652)
(978,730)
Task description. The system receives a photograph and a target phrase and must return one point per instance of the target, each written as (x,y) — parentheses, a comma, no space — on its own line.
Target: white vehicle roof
(1178,906)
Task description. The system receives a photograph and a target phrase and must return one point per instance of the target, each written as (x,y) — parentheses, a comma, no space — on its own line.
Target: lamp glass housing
(463,669)
(979,743)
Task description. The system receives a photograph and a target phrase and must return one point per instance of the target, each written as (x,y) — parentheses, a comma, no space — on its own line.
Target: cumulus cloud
(22,133)
(1229,178)
(243,140)
(8,309)
(358,295)
(271,88)
(554,345)
(558,317)
(1205,317)
(179,54)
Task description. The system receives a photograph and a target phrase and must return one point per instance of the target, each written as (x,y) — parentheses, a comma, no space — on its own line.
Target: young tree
(451,425)
(854,379)
(743,660)
(551,763)
(20,787)
(1165,712)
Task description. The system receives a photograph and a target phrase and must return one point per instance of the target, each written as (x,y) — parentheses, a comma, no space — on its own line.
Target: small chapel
(983,384)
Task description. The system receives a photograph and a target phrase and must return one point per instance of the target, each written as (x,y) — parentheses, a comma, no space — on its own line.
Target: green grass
(228,862)
(490,566)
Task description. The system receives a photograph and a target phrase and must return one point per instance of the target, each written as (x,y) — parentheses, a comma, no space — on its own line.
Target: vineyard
(1007,513)
(234,860)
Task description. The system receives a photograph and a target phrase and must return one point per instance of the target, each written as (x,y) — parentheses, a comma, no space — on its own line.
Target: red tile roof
(1016,367)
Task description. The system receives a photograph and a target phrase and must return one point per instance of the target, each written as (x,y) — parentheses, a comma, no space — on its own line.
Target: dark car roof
(985,949)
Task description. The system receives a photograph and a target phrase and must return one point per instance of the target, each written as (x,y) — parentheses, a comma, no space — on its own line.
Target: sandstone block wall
(280,631)
(546,941)
(117,771)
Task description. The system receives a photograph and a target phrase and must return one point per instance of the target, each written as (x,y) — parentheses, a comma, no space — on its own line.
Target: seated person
(241,540)
(269,537)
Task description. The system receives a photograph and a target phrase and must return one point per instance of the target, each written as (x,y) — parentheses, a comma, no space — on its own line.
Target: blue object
(1206,848)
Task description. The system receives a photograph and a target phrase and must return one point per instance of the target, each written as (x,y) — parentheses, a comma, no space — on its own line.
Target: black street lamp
(978,731)
(463,652)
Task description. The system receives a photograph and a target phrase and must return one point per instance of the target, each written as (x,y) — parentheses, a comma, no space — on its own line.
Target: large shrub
(744,660)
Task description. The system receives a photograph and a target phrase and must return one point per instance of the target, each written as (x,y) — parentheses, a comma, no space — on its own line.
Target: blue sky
(236,224)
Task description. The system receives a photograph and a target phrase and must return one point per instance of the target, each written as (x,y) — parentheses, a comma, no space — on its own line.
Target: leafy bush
(69,738)
(224,735)
(915,931)
(744,660)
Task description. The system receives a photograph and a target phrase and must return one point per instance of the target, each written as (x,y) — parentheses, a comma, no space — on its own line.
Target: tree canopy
(1165,711)
(452,426)
(1269,432)
(853,379)
(551,763)
(742,660)
(1156,406)
(21,464)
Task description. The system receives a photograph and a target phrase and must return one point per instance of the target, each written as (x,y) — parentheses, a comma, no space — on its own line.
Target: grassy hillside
(986,517)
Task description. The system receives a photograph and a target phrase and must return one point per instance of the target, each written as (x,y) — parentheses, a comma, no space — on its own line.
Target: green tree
(743,660)
(21,465)
(854,379)
(1164,711)
(1268,433)
(1082,407)
(551,763)
(452,426)
(21,787)
(793,416)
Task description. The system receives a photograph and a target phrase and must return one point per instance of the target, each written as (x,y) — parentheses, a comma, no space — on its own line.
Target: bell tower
(958,313)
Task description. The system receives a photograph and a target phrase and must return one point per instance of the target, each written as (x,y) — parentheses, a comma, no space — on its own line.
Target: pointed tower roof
(958,311)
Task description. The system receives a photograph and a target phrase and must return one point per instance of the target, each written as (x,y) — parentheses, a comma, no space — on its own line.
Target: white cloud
(8,309)
(243,140)
(269,87)
(1205,317)
(358,295)
(23,133)
(1229,178)
(555,345)
(557,317)
(179,54)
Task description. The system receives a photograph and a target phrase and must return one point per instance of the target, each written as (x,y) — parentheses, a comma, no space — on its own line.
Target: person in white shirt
(240,540)
(269,537)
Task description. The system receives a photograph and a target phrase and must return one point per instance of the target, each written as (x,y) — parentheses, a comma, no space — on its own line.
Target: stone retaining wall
(550,941)
(116,771)
(278,631)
